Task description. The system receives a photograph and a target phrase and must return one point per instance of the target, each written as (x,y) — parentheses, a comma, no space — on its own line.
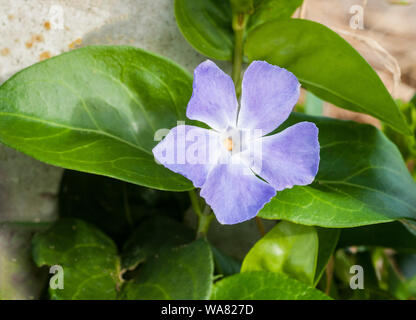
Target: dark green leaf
(410,225)
(224,264)
(206,24)
(180,273)
(88,258)
(97,109)
(115,206)
(362,180)
(390,235)
(267,10)
(153,235)
(328,239)
(289,248)
(263,285)
(326,65)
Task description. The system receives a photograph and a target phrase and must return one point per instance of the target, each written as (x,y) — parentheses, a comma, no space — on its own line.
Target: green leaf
(242,6)
(224,264)
(115,206)
(362,180)
(326,65)
(328,239)
(267,10)
(264,285)
(289,248)
(88,258)
(96,110)
(152,236)
(390,235)
(181,273)
(206,25)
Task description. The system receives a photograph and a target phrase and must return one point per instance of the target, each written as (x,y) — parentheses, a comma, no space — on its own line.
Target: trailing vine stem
(239,22)
(204,222)
(204,217)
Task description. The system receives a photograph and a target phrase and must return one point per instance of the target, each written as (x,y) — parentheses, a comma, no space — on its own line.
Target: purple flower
(239,168)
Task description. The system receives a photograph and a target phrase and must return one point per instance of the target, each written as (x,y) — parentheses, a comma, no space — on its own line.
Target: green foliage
(268,10)
(390,235)
(88,258)
(96,110)
(242,6)
(328,239)
(326,65)
(154,234)
(206,24)
(115,206)
(289,248)
(264,285)
(362,180)
(224,264)
(180,273)
(299,251)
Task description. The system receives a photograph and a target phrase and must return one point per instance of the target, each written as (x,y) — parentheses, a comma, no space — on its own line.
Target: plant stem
(204,218)
(329,274)
(260,226)
(204,222)
(238,24)
(195,202)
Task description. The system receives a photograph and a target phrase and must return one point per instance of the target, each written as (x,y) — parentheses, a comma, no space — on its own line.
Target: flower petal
(234,194)
(213,98)
(290,157)
(269,94)
(190,151)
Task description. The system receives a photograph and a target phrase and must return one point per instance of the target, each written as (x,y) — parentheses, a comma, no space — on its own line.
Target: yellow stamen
(228,144)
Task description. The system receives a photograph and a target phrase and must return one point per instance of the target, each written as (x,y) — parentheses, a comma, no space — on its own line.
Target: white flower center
(229,144)
(233,140)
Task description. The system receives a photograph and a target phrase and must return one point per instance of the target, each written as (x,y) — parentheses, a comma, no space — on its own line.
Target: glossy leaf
(288,248)
(264,285)
(326,65)
(267,10)
(115,206)
(389,235)
(180,273)
(97,109)
(88,258)
(152,236)
(362,180)
(206,25)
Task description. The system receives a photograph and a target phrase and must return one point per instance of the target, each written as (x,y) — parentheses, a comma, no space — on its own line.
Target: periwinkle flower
(236,164)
